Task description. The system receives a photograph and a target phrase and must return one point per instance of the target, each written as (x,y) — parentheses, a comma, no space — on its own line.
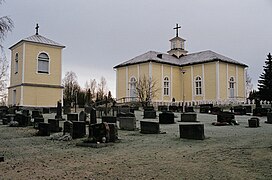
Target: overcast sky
(103,33)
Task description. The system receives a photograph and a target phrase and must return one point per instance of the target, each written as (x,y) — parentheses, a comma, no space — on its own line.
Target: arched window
(198,86)
(231,87)
(132,88)
(16,63)
(166,86)
(43,63)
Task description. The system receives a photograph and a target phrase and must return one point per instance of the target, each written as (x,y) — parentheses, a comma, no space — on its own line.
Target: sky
(99,34)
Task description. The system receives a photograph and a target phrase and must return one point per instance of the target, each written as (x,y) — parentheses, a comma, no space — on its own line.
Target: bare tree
(90,88)
(249,85)
(6,25)
(71,87)
(146,89)
(102,89)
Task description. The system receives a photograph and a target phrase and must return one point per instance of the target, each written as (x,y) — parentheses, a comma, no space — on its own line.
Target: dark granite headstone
(162,108)
(99,132)
(215,110)
(44,129)
(225,117)
(127,123)
(66,110)
(38,120)
(189,109)
(173,108)
(188,117)
(54,125)
(8,118)
(109,119)
(72,117)
(36,113)
(259,111)
(166,118)
(192,131)
(82,116)
(150,114)
(205,108)
(67,127)
(93,119)
(239,110)
(113,133)
(45,110)
(59,111)
(79,129)
(149,127)
(254,122)
(269,118)
(22,120)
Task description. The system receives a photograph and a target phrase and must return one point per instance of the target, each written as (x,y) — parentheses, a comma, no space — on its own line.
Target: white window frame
(231,87)
(166,86)
(39,59)
(198,86)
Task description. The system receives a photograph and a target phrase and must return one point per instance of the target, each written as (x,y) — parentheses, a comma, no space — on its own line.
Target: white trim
(23,64)
(116,82)
(171,84)
(217,81)
(192,83)
(227,87)
(150,69)
(237,82)
(245,84)
(126,82)
(162,80)
(138,71)
(21,98)
(203,82)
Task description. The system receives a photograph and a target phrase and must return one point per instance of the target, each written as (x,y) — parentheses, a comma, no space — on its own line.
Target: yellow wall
(156,75)
(18,95)
(176,83)
(223,80)
(241,84)
(16,79)
(210,80)
(121,82)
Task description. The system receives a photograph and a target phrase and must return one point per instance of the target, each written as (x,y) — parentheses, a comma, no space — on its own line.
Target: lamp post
(183,95)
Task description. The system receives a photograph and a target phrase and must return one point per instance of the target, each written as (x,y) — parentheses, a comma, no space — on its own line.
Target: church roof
(189,59)
(39,39)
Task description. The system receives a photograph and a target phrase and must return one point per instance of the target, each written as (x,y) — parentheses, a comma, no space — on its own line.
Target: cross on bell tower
(176,28)
(37,29)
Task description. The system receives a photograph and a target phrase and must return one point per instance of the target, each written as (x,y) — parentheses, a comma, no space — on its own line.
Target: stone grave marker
(54,125)
(44,129)
(148,127)
(59,111)
(82,116)
(269,118)
(192,131)
(79,129)
(166,118)
(93,119)
(67,127)
(22,120)
(36,113)
(99,132)
(205,108)
(149,112)
(239,110)
(226,117)
(113,133)
(72,117)
(38,120)
(254,122)
(188,117)
(109,119)
(127,123)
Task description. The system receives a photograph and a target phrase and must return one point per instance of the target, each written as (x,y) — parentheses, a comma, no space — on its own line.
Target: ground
(228,152)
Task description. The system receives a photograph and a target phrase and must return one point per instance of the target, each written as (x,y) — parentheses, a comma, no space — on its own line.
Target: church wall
(176,83)
(39,97)
(132,72)
(210,80)
(187,77)
(121,82)
(223,80)
(18,95)
(231,71)
(241,84)
(144,70)
(16,78)
(31,75)
(156,75)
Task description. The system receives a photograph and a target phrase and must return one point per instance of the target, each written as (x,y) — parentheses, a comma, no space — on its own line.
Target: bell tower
(177,45)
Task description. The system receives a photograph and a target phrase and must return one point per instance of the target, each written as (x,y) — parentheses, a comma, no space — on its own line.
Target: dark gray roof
(41,40)
(189,59)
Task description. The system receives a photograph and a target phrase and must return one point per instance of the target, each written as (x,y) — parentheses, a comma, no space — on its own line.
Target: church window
(16,63)
(231,87)
(198,86)
(43,63)
(166,86)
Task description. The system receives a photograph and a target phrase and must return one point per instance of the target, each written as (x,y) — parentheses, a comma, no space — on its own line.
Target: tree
(249,85)
(265,82)
(6,25)
(71,88)
(146,89)
(102,89)
(90,88)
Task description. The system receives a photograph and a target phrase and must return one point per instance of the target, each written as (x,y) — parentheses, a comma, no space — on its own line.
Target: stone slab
(192,131)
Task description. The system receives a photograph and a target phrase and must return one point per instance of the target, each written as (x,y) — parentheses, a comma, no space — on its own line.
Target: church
(35,72)
(193,78)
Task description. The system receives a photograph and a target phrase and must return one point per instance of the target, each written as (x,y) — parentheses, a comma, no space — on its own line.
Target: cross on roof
(37,29)
(176,28)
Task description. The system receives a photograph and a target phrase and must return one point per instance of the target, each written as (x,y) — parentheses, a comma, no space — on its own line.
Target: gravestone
(192,131)
(72,117)
(162,108)
(254,122)
(93,119)
(248,109)
(8,118)
(22,120)
(215,110)
(205,108)
(67,127)
(173,108)
(269,118)
(113,133)
(109,119)
(54,125)
(189,109)
(166,118)
(82,116)
(99,132)
(149,127)
(127,123)
(188,117)
(149,112)
(45,110)
(44,129)
(259,111)
(124,109)
(59,111)
(227,117)
(239,110)
(66,110)
(38,120)
(36,113)
(79,129)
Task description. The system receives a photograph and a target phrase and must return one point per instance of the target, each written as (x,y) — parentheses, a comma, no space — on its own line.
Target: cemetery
(138,142)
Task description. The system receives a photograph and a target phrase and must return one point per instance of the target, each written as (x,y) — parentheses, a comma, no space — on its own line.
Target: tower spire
(176,28)
(37,29)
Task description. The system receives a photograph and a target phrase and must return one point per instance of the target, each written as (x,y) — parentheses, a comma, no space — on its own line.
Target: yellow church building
(193,78)
(35,76)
